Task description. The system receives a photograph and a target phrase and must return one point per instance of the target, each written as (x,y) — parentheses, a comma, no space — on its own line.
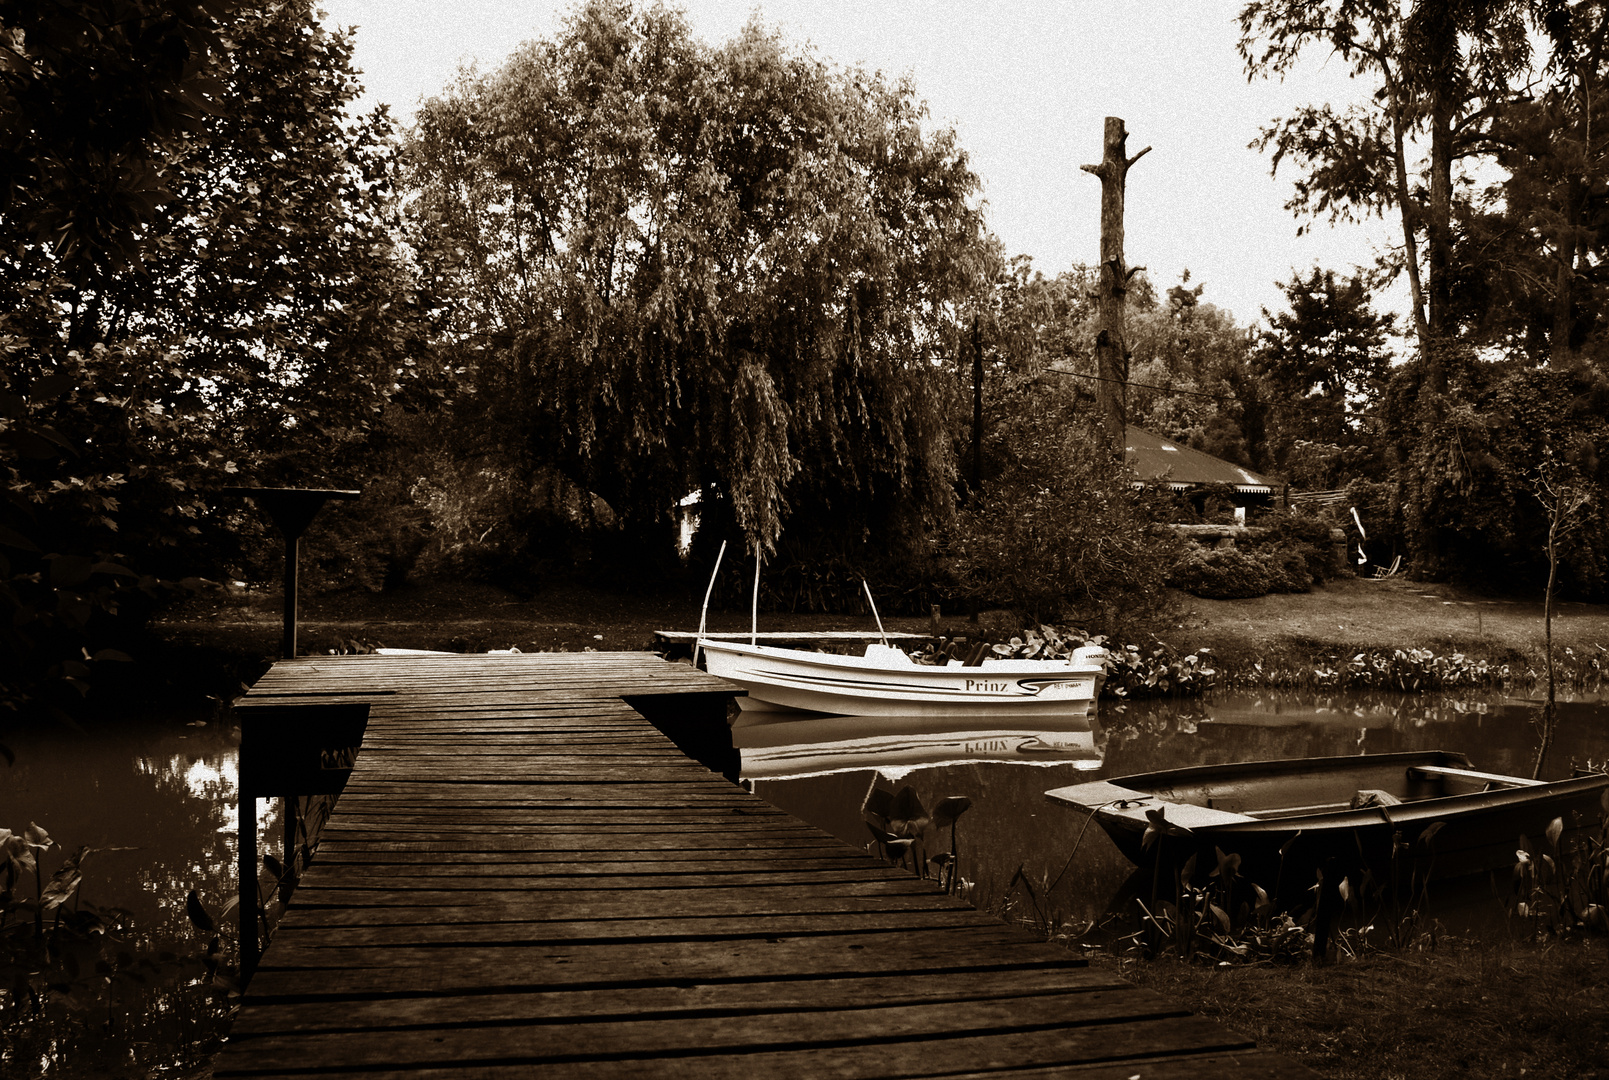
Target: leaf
(907,817)
(14,539)
(948,809)
(67,571)
(1430,832)
(1555,830)
(199,916)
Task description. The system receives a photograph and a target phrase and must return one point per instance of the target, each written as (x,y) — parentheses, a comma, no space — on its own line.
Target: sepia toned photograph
(804,539)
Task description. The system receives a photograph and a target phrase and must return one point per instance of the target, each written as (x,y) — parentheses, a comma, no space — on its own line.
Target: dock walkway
(525,878)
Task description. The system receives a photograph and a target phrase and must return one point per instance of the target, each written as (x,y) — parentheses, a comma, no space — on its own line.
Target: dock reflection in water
(1074,872)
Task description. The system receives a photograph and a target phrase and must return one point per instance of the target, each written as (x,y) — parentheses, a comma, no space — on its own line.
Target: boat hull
(831,685)
(1287,818)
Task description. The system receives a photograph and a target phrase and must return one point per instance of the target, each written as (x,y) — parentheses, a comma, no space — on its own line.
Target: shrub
(1227,573)
(1059,525)
(1131,672)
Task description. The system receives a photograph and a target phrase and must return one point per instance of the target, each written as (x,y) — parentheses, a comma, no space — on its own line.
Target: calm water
(1073,873)
(155,803)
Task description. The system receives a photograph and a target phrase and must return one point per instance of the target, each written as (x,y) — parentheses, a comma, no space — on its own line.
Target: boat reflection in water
(777,744)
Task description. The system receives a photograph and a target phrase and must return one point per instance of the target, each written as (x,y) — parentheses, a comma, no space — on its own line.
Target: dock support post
(248,885)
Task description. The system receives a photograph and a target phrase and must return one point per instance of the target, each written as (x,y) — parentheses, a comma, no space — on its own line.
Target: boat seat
(1433,772)
(888,656)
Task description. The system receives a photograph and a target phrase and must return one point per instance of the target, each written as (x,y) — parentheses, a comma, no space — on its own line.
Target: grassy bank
(1464,1009)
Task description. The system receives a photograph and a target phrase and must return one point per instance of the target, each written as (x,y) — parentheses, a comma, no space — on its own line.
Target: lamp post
(292,511)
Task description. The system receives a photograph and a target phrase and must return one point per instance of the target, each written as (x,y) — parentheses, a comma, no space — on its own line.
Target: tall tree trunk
(1439,230)
(1111,340)
(1407,211)
(977,411)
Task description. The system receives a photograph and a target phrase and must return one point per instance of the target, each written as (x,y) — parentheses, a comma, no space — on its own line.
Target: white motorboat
(887,682)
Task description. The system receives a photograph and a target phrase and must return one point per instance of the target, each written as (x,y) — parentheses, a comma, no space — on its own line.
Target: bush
(1227,573)
(1060,526)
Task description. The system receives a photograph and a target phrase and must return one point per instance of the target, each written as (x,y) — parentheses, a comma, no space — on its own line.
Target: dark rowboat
(1286,818)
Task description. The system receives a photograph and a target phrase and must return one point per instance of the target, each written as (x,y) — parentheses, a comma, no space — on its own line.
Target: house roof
(1156,458)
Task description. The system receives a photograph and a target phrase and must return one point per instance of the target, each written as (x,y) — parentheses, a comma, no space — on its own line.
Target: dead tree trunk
(1111,339)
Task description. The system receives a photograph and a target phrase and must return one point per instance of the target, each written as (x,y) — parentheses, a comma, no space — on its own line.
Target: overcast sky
(1026,84)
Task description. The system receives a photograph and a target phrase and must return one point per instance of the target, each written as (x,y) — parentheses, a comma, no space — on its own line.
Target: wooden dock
(526,878)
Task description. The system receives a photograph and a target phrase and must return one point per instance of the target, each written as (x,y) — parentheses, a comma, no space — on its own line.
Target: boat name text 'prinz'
(985,686)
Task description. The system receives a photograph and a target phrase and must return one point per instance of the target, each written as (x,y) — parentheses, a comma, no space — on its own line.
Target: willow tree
(733,270)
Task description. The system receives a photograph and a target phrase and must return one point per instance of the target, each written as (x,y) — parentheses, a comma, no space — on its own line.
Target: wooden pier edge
(524,877)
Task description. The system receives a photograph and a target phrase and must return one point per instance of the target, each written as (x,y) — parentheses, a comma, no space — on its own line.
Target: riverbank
(239,630)
(1349,614)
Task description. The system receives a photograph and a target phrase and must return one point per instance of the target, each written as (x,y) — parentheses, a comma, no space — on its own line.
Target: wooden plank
(328,1013)
(819,1025)
(524,877)
(860,1054)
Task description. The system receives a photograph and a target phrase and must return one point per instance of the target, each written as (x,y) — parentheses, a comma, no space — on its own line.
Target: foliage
(1326,360)
(1562,888)
(1224,918)
(76,983)
(1157,670)
(1471,512)
(1226,573)
(1425,65)
(1057,525)
(1289,553)
(220,292)
(726,270)
(1189,371)
(1532,244)
(901,827)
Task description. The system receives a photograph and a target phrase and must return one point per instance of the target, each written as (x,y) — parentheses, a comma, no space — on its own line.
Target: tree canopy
(199,285)
(732,270)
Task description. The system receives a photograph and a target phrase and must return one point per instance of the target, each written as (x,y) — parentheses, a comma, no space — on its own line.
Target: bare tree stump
(1111,338)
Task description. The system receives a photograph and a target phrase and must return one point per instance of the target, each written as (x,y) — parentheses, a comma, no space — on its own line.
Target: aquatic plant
(1418,671)
(901,826)
(79,984)
(1157,670)
(1563,888)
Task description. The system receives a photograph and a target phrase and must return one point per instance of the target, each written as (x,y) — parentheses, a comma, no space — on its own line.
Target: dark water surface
(154,801)
(1038,860)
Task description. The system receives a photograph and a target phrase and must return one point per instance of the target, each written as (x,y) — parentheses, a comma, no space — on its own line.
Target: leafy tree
(1435,73)
(730,270)
(198,282)
(1532,246)
(1468,498)
(1325,361)
(1189,363)
(1060,526)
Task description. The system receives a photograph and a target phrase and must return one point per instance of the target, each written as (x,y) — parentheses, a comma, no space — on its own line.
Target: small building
(1184,470)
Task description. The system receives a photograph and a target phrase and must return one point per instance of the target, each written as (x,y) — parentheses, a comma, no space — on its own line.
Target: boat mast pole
(704,611)
(754,610)
(881,632)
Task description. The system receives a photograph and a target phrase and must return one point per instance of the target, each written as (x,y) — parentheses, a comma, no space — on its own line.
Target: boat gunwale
(1415,812)
(810,658)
